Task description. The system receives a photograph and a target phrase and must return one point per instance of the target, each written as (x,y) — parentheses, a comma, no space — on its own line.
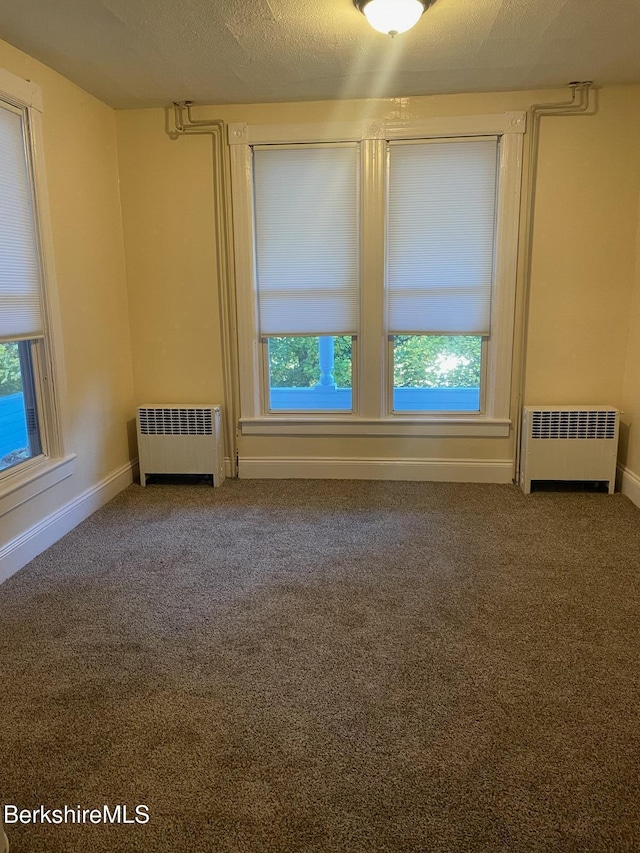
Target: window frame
(371,386)
(23,481)
(266,381)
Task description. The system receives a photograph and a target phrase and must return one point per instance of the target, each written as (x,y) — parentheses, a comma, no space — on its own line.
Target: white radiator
(175,439)
(569,443)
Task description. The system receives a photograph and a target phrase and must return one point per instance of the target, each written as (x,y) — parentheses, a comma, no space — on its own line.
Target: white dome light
(392,16)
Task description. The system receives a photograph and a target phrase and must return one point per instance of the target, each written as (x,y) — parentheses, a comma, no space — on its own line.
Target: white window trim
(28,479)
(372,419)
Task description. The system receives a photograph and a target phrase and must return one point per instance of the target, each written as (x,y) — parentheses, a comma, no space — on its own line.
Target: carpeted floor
(301,667)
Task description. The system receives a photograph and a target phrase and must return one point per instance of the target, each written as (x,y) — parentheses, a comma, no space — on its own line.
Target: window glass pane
(310,374)
(436,373)
(19,439)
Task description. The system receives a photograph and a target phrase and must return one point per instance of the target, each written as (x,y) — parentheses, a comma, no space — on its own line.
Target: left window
(30,431)
(307,274)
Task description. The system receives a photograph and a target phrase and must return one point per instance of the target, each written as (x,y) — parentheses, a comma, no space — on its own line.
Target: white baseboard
(439,470)
(629,484)
(19,551)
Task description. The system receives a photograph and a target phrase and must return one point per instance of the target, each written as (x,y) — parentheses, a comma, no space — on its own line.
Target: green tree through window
(10,377)
(420,361)
(437,361)
(294,362)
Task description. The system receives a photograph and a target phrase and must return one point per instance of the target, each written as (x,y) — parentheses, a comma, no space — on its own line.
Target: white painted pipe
(217,129)
(580,102)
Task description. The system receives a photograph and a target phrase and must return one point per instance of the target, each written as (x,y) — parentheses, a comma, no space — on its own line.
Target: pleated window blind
(21,315)
(307,243)
(441,235)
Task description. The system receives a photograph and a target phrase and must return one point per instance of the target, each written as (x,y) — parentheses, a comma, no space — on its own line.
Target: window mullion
(500,348)
(372,349)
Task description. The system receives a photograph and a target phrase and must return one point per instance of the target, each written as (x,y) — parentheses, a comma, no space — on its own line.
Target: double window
(376,276)
(30,433)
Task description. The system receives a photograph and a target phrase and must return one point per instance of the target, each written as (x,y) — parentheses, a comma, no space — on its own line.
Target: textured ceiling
(141,53)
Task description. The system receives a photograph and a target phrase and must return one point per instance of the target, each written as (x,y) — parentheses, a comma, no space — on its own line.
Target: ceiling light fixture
(392,16)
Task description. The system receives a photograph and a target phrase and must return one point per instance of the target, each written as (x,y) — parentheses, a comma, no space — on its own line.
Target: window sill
(468,427)
(19,485)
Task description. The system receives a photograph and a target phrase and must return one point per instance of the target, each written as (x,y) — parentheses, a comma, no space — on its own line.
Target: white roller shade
(306,227)
(20,305)
(441,232)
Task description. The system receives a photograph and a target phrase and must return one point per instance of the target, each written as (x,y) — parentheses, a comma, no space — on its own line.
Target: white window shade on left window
(306,240)
(21,315)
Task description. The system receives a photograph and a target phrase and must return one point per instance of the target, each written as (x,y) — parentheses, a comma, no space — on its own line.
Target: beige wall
(584,252)
(82,176)
(167,205)
(630,439)
(582,272)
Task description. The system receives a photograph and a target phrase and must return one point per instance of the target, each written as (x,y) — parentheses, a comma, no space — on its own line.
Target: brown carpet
(295,666)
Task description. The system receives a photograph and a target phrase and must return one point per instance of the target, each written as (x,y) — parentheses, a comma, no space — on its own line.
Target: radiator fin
(176,421)
(573,424)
